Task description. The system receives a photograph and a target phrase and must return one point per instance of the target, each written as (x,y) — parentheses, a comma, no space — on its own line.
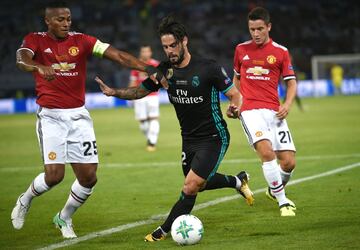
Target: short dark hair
(169,25)
(259,13)
(56,4)
(145,45)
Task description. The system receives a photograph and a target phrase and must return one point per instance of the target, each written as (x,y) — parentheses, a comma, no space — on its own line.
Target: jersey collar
(264,45)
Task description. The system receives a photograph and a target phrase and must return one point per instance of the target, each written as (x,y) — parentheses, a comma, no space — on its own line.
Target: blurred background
(321,35)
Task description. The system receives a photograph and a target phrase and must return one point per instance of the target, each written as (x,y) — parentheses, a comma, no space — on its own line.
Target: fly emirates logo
(258,73)
(183,98)
(63,69)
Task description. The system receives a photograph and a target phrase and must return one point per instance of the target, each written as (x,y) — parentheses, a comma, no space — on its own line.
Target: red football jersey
(260,69)
(139,76)
(68,58)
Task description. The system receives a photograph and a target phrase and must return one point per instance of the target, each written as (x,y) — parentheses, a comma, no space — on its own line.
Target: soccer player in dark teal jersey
(194,86)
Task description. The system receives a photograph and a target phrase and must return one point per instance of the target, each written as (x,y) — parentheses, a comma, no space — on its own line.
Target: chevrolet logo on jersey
(63,66)
(257,71)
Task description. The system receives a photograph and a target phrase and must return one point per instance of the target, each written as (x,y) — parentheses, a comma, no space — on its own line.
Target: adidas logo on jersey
(246,57)
(48,50)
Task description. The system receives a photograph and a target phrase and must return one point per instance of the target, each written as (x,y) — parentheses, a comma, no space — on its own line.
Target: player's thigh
(255,125)
(51,132)
(54,173)
(207,157)
(140,109)
(81,142)
(85,173)
(187,156)
(152,106)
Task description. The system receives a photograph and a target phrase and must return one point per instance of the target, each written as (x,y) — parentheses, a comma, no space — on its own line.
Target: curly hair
(169,25)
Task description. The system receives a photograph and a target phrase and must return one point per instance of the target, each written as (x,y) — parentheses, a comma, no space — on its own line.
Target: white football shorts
(66,136)
(260,124)
(147,107)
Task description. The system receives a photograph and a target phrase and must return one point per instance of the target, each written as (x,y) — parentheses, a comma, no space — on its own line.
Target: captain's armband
(99,48)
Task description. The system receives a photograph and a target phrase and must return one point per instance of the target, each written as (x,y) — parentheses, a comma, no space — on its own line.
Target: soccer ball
(187,229)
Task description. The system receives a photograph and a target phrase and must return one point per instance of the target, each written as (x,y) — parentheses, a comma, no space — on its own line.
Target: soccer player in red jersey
(258,66)
(57,59)
(147,108)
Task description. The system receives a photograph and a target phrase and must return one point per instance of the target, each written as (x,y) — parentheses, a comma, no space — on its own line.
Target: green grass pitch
(134,185)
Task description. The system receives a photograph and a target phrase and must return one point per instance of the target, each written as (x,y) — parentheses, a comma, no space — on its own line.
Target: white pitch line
(178,163)
(197,207)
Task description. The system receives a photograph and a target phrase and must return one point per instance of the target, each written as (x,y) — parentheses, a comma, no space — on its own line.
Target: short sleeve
(237,62)
(29,43)
(287,68)
(221,80)
(94,46)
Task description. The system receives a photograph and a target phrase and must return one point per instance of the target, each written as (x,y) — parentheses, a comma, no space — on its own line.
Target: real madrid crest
(73,51)
(271,59)
(195,81)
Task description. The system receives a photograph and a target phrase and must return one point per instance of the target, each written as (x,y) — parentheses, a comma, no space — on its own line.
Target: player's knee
(289,164)
(54,174)
(88,181)
(267,155)
(192,187)
(53,178)
(265,151)
(203,187)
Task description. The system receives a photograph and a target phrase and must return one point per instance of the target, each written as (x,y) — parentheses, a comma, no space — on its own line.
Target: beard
(180,58)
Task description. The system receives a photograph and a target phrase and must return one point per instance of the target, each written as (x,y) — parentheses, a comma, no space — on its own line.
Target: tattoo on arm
(131,93)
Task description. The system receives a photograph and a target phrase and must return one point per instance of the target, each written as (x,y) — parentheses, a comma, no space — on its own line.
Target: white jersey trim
(289,77)
(279,46)
(244,43)
(26,49)
(236,73)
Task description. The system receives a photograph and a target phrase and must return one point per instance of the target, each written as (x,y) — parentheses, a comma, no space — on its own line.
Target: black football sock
(220,181)
(183,206)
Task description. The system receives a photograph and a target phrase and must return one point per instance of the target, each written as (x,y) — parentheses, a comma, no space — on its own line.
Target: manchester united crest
(271,59)
(73,51)
(52,156)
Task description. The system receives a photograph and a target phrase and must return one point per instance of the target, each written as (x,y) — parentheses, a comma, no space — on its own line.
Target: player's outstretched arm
(25,62)
(127,60)
(129,93)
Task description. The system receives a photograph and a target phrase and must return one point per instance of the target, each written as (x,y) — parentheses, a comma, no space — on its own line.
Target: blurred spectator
(216,26)
(337,76)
